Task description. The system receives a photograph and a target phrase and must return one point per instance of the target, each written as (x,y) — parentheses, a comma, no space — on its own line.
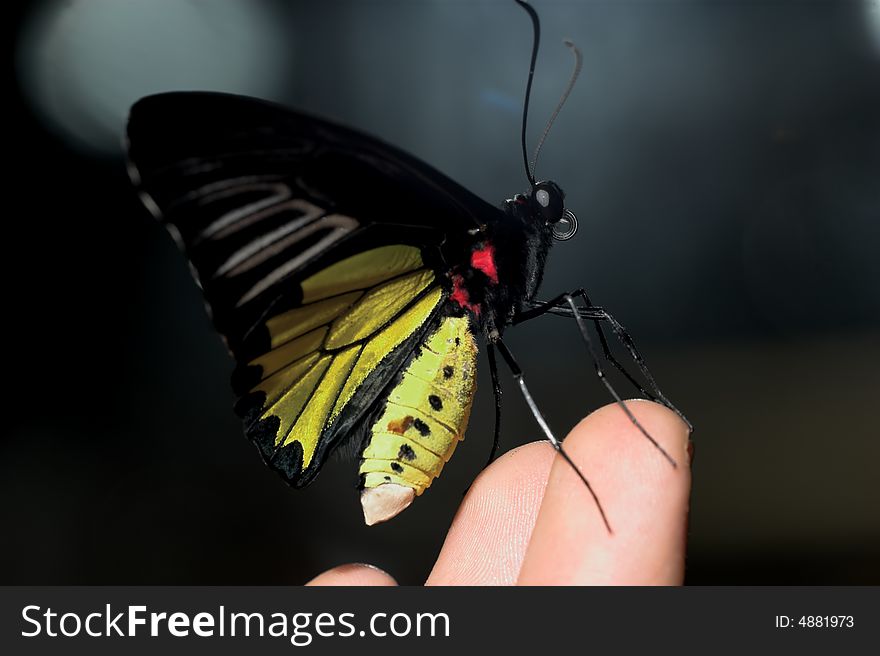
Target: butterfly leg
(496,390)
(542,423)
(557,306)
(624,338)
(597,314)
(564,305)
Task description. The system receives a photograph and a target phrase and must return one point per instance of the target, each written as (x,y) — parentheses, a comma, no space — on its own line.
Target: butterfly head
(547,203)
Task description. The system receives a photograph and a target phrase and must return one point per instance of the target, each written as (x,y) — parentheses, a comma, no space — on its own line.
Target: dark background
(724,161)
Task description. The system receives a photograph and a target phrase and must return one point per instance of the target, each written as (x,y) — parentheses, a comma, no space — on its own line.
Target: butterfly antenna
(536,40)
(578,64)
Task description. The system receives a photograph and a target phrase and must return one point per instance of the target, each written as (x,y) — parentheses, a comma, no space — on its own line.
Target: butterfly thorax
(503,267)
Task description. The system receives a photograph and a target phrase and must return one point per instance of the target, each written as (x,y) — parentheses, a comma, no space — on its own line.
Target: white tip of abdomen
(385,501)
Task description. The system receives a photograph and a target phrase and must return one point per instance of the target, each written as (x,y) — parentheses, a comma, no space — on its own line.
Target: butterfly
(351,282)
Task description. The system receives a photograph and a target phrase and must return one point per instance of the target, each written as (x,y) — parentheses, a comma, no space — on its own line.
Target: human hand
(529,520)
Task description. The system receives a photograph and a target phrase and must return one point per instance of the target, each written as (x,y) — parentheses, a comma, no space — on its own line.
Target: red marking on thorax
(460,295)
(484,260)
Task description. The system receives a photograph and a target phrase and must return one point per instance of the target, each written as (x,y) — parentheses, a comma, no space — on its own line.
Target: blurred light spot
(83,63)
(872,8)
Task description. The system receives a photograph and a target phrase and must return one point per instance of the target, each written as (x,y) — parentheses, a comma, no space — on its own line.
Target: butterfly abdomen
(423,420)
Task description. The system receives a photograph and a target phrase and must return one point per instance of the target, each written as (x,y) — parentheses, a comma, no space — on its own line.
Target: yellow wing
(327,360)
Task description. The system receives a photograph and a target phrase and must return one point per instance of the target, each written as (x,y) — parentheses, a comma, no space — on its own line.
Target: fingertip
(356,574)
(488,538)
(645,499)
(621,436)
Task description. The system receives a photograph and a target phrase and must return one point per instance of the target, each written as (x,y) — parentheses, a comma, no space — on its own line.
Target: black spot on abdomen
(395,467)
(435,402)
(406,452)
(448,371)
(422,427)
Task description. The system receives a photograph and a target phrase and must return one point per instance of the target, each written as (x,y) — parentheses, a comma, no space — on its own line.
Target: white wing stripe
(233,217)
(258,250)
(343,225)
(230,187)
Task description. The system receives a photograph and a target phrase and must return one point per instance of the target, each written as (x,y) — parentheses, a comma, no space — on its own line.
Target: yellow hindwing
(354,314)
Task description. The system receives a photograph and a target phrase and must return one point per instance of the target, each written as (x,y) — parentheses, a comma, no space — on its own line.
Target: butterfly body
(333,264)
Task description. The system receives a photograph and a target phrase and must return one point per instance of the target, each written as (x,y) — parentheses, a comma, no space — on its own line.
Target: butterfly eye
(547,201)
